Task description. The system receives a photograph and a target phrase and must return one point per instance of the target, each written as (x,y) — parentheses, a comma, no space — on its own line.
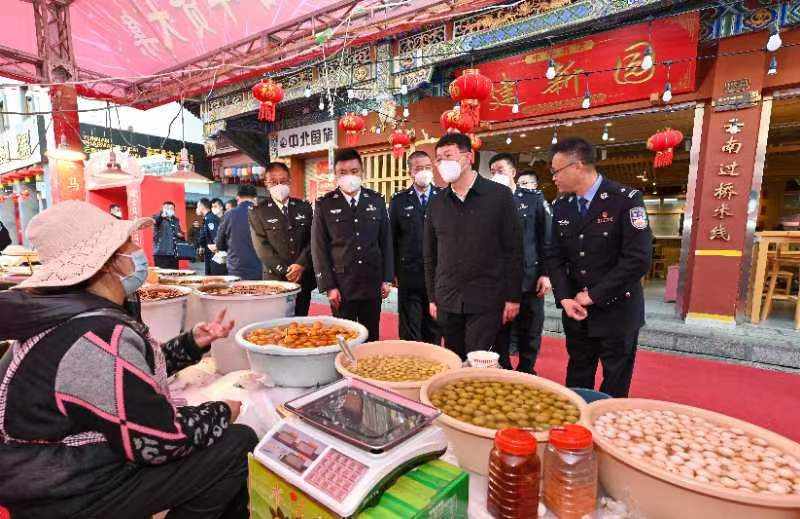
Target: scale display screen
(364,415)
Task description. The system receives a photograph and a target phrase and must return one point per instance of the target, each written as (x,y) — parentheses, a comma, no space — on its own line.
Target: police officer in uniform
(601,248)
(407,216)
(281,231)
(206,236)
(351,245)
(533,212)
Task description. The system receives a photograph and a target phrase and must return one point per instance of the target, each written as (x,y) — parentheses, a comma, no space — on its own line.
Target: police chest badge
(272,220)
(371,208)
(638,218)
(563,223)
(336,211)
(604,218)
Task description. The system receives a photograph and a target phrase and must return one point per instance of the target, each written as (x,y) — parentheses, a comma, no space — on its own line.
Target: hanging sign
(305,139)
(613,58)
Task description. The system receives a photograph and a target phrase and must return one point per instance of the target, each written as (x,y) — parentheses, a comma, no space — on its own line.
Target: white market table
(199,383)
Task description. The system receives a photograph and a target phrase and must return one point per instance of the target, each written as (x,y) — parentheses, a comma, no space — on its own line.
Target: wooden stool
(775,267)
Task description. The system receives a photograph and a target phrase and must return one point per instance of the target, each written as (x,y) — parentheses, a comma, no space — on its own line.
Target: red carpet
(755,395)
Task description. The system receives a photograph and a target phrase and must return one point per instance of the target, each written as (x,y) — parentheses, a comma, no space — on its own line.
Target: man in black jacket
(166,235)
(601,248)
(351,246)
(534,218)
(407,216)
(281,232)
(473,251)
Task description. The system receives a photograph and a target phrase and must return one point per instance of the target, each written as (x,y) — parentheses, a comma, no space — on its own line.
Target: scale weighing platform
(349,440)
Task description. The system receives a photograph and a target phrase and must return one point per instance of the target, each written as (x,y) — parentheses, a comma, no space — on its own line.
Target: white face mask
(502,179)
(279,192)
(349,183)
(450,170)
(423,178)
(217,211)
(168,211)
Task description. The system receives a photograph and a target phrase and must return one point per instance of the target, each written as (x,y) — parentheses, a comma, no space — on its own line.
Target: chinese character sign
(613,60)
(305,139)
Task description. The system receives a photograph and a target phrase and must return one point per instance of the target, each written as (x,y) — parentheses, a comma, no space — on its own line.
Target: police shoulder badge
(638,218)
(210,226)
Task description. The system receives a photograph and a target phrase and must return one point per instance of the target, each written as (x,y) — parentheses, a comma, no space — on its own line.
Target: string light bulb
(364,112)
(587,100)
(406,113)
(307,91)
(774,42)
(667,95)
(604,137)
(773,66)
(321,104)
(350,93)
(551,70)
(404,88)
(515,107)
(378,130)
(647,60)
(555,137)
(508,140)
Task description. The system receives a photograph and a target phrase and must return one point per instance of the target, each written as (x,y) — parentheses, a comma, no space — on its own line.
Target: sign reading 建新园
(305,139)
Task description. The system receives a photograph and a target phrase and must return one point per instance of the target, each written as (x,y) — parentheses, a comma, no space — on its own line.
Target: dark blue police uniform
(606,252)
(407,217)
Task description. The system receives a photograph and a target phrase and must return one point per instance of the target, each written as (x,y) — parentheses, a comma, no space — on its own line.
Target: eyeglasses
(555,172)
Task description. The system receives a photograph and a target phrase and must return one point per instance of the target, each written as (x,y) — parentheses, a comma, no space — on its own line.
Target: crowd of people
(472,263)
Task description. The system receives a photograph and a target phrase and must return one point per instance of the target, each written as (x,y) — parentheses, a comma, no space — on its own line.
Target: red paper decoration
(269,93)
(352,125)
(401,140)
(470,89)
(663,143)
(456,121)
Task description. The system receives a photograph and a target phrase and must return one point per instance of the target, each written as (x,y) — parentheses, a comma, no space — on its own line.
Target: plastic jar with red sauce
(513,475)
(570,472)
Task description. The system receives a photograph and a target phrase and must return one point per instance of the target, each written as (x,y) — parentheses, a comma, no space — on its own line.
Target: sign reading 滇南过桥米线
(306,139)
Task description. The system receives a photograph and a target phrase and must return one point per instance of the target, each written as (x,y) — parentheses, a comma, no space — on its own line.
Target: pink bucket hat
(74,240)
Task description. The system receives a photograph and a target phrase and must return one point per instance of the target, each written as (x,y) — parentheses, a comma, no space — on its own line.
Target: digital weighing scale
(349,440)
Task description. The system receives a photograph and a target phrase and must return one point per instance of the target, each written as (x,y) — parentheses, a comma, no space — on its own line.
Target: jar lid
(571,437)
(515,441)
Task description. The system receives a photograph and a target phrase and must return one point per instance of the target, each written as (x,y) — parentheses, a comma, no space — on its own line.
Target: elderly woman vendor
(87,427)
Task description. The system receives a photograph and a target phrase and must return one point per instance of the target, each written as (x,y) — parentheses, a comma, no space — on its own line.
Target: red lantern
(269,93)
(401,141)
(456,121)
(470,88)
(352,125)
(663,143)
(476,141)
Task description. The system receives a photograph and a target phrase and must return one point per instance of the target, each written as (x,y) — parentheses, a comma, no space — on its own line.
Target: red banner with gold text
(613,61)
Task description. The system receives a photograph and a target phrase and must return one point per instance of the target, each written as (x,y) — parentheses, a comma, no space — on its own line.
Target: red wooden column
(728,175)
(66,176)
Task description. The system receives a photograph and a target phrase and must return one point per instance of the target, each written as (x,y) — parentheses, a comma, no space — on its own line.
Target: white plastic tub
(166,318)
(244,309)
(300,367)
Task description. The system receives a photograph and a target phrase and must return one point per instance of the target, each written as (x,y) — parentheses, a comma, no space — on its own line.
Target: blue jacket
(234,237)
(534,217)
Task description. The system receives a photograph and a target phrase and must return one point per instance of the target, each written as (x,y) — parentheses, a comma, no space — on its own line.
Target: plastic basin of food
(196,281)
(297,367)
(658,494)
(424,350)
(472,444)
(244,309)
(166,318)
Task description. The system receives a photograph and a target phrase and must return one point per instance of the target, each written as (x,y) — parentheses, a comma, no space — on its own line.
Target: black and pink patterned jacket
(84,399)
